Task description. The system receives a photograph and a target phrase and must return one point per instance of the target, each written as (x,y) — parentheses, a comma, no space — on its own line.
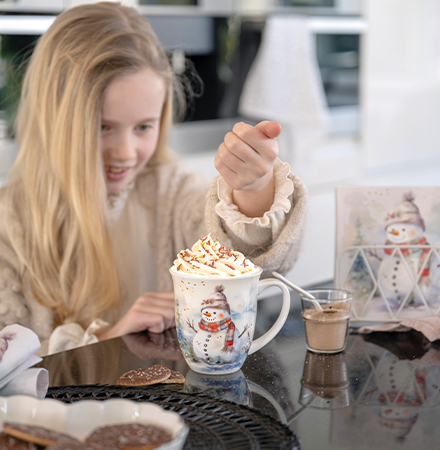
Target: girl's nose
(123,147)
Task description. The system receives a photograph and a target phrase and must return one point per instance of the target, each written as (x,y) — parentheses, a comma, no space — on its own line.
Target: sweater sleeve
(15,307)
(257,229)
(272,242)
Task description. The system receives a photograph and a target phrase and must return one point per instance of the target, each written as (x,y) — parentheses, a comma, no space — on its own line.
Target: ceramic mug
(215,319)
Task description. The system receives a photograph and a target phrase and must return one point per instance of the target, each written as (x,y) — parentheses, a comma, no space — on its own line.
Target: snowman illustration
(401,390)
(217,339)
(404,225)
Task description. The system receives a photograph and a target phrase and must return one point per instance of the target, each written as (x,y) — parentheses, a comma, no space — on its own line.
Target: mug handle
(257,344)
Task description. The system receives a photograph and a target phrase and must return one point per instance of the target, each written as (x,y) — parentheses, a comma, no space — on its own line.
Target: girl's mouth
(114,173)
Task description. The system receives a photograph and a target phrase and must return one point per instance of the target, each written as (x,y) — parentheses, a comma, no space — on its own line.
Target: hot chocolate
(326,330)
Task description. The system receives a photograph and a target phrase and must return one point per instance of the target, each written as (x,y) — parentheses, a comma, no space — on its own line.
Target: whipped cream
(208,257)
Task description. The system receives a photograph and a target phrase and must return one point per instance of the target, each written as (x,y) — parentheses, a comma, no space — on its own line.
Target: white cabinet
(41,6)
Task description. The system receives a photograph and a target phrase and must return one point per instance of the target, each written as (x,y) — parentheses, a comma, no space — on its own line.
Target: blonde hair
(56,187)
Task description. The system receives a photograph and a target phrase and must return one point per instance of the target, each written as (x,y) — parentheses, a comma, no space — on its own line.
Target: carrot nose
(207,314)
(395,232)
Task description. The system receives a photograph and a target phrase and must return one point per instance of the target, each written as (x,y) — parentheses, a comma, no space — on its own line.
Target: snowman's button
(207,340)
(394,284)
(209,335)
(398,261)
(206,345)
(393,277)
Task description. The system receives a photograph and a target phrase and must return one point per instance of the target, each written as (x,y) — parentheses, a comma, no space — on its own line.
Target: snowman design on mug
(217,338)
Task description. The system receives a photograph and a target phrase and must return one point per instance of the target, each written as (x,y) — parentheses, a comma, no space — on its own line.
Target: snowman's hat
(405,212)
(217,300)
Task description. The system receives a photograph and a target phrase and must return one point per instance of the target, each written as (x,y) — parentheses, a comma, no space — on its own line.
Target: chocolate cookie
(69,444)
(36,435)
(62,444)
(11,443)
(145,377)
(175,377)
(128,436)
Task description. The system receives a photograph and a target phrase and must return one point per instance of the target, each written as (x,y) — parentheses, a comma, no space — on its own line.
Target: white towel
(284,84)
(17,347)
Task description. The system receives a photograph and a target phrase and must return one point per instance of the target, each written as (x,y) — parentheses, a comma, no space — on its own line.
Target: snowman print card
(388,250)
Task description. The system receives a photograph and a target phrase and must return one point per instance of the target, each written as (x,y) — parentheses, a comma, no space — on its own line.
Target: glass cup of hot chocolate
(327,329)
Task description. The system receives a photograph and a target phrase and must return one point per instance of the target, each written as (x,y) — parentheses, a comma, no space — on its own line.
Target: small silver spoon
(298,289)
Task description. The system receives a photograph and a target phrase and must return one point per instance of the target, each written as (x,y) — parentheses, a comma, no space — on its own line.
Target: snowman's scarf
(215,327)
(409,251)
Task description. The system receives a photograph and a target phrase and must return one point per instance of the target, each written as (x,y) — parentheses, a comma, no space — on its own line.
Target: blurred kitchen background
(355,84)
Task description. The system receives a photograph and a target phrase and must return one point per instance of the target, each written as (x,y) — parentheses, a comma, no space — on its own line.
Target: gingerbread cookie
(145,377)
(175,377)
(11,443)
(128,436)
(34,434)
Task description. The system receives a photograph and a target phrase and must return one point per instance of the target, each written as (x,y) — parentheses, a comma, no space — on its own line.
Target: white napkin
(17,347)
(284,84)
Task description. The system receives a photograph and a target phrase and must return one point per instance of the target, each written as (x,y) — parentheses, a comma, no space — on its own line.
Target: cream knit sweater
(177,209)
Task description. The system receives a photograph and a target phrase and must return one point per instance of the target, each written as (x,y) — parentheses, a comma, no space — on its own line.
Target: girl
(95,210)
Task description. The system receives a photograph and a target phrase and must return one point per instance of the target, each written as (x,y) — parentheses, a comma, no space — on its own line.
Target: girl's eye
(143,127)
(104,127)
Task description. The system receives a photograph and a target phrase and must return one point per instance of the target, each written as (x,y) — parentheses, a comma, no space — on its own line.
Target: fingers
(247,154)
(255,138)
(271,129)
(164,295)
(154,311)
(156,323)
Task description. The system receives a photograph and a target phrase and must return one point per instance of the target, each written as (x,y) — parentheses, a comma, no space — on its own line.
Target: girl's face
(130,119)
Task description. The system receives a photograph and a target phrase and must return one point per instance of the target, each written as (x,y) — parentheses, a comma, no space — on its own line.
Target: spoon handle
(298,289)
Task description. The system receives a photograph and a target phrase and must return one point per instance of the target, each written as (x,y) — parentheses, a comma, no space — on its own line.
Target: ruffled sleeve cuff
(273,220)
(71,335)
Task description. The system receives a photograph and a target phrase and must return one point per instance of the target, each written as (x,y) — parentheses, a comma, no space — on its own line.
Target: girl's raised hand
(154,311)
(245,161)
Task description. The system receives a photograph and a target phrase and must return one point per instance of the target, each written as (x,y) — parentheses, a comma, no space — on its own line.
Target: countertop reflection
(382,392)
